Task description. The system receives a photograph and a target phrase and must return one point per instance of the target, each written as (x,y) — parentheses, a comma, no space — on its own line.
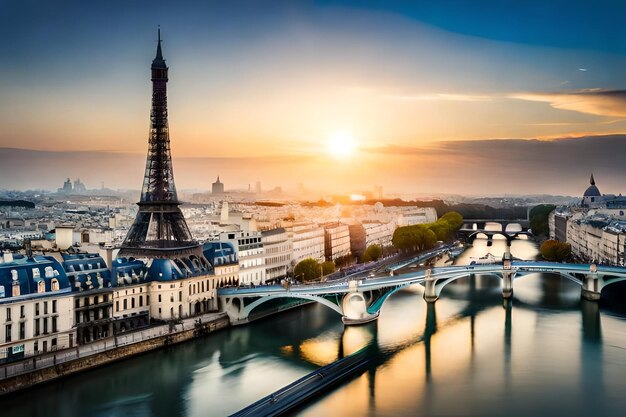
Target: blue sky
(266,79)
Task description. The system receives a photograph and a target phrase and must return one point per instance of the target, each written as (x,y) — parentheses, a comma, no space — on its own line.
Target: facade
(370,233)
(92,291)
(251,255)
(336,241)
(417,215)
(278,251)
(36,309)
(131,295)
(307,240)
(223,257)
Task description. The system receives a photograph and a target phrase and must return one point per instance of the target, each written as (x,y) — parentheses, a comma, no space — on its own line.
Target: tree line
(420,237)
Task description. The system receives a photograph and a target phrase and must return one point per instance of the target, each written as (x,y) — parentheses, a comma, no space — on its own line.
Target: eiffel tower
(160,229)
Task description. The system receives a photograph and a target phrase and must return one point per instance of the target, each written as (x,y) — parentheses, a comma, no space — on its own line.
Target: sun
(341,144)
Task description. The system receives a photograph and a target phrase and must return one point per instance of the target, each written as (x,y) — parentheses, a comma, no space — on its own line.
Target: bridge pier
(354,307)
(507,284)
(589,290)
(430,292)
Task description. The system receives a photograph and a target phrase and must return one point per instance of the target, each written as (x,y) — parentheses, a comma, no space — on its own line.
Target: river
(544,353)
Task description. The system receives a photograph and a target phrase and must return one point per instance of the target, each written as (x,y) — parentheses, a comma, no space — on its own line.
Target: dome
(592,191)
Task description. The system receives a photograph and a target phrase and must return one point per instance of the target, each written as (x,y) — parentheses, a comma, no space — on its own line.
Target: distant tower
(258,187)
(67,187)
(159,229)
(217,187)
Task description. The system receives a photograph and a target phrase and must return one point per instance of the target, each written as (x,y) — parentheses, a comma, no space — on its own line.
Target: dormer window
(41,287)
(36,273)
(15,289)
(55,284)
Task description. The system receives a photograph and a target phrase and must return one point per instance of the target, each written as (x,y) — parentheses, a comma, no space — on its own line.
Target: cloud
(440,97)
(593,101)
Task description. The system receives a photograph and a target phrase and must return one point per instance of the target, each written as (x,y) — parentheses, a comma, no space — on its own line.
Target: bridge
(360,300)
(509,229)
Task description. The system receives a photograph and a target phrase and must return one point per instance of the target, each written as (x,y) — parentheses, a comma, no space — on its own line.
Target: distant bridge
(509,229)
(359,301)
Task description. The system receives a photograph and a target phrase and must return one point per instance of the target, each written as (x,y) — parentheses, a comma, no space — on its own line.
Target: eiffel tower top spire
(158,60)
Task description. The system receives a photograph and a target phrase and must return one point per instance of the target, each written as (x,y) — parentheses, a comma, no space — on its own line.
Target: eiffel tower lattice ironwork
(160,228)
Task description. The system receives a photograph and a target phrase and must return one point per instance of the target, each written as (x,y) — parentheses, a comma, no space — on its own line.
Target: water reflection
(540,353)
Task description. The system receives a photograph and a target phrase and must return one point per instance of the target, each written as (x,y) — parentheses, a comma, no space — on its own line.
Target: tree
(328,267)
(454,219)
(553,250)
(307,270)
(429,239)
(442,229)
(539,219)
(344,260)
(372,253)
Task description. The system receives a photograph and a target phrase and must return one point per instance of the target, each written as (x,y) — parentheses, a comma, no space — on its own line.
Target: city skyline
(415,94)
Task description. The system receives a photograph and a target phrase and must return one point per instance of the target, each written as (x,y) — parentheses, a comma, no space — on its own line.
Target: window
(41,286)
(132,302)
(180,296)
(54,306)
(36,346)
(125,303)
(22,313)
(117,306)
(77,303)
(45,346)
(8,314)
(55,284)
(54,343)
(37,331)
(16,288)
(7,333)
(54,324)
(22,330)
(36,309)
(159,298)
(45,307)
(141,301)
(45,326)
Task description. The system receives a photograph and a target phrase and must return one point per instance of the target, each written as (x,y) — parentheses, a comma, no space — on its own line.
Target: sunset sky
(258,89)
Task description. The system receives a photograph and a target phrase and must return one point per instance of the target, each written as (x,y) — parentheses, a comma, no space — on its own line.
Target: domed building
(592,195)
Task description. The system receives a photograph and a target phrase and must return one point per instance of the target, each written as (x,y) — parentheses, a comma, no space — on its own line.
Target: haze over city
(428,98)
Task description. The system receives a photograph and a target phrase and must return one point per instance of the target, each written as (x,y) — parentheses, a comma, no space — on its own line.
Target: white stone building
(36,311)
(307,242)
(278,252)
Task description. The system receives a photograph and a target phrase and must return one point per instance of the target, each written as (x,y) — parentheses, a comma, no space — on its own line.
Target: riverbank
(37,370)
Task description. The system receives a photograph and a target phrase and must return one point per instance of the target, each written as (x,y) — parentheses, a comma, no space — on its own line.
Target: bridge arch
(250,307)
(605,283)
(442,282)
